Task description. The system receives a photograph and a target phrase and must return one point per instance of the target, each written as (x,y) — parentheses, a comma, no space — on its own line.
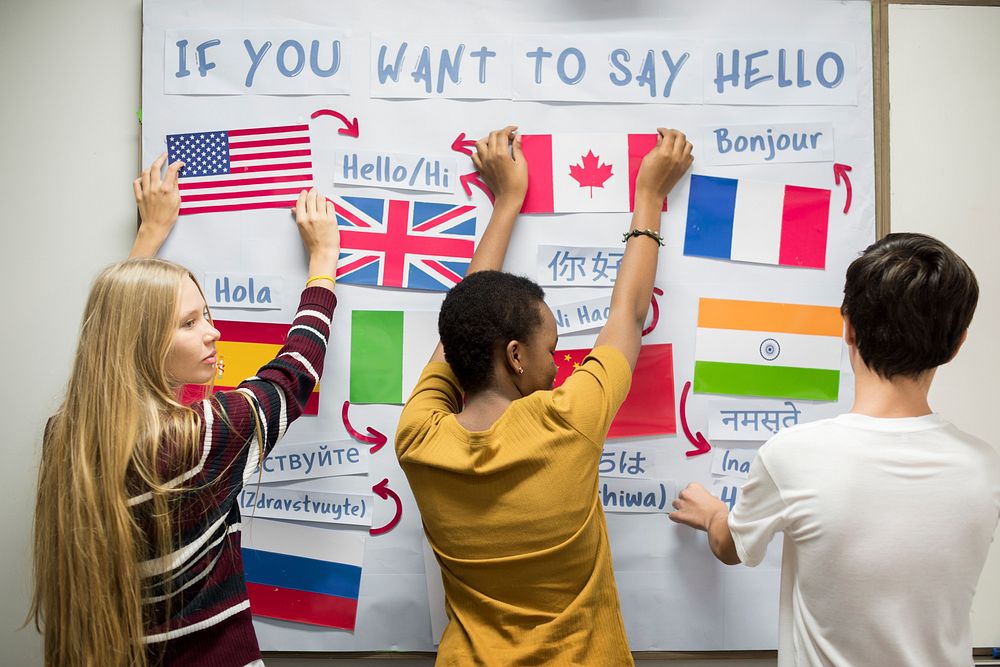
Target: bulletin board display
(378,105)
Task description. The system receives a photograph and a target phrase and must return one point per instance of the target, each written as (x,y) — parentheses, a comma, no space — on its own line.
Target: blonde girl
(137,532)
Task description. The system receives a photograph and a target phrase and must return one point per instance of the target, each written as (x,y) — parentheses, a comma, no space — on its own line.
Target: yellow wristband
(315,278)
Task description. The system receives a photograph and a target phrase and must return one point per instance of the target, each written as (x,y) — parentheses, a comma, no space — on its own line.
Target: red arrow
(473,178)
(701,445)
(656,310)
(383,491)
(351,126)
(463,145)
(376,440)
(840,171)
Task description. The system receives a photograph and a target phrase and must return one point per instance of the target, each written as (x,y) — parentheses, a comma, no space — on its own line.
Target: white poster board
(803,69)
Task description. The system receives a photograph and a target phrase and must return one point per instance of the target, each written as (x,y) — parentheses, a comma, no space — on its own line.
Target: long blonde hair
(103,445)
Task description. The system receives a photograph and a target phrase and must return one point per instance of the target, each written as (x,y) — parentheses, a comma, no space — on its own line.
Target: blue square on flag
(203,153)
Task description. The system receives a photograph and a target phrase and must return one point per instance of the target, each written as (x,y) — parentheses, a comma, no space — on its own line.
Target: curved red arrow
(377,440)
(463,145)
(840,171)
(350,128)
(656,310)
(701,444)
(473,178)
(383,491)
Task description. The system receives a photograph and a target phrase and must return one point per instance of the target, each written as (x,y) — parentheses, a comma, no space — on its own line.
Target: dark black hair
(909,298)
(479,316)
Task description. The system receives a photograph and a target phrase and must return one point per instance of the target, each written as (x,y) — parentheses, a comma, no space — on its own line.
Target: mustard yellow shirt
(513,516)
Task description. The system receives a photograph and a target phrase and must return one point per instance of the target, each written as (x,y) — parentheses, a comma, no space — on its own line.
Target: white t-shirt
(887,524)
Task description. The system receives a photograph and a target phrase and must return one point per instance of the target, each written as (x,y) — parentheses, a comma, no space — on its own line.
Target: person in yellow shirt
(504,469)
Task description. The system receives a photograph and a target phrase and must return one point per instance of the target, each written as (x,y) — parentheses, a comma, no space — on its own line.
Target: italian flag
(579,173)
(757,348)
(389,349)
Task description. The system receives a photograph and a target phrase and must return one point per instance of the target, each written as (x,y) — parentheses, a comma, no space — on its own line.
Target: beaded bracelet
(315,278)
(642,232)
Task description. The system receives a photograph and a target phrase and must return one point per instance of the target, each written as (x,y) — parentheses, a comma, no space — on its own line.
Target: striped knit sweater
(210,621)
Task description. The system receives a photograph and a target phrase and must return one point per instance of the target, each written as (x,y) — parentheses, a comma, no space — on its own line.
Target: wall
(65,219)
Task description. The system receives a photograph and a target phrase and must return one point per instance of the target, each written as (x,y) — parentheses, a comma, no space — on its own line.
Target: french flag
(303,572)
(757,221)
(580,173)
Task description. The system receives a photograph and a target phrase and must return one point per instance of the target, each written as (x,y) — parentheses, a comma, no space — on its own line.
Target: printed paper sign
(277,503)
(247,291)
(303,572)
(567,266)
(471,67)
(581,315)
(428,173)
(633,461)
(764,144)
(727,489)
(732,462)
(756,348)
(579,173)
(403,243)
(649,407)
(242,170)
(256,61)
(757,221)
(636,496)
(769,73)
(751,420)
(607,68)
(314,460)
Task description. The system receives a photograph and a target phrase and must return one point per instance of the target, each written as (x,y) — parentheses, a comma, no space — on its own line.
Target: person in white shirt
(887,511)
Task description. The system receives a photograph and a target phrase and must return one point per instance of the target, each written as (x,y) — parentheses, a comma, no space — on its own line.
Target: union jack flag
(401,243)
(239,170)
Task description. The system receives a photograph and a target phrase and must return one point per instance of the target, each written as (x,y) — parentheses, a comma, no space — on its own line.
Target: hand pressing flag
(304,573)
(756,221)
(649,407)
(402,243)
(239,170)
(576,173)
(755,348)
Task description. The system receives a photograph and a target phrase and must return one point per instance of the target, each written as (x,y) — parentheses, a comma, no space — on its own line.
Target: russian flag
(303,572)
(579,173)
(757,221)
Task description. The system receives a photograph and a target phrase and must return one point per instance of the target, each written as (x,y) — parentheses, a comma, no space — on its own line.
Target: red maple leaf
(590,175)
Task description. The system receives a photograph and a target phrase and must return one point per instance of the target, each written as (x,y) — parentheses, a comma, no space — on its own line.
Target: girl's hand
(499,160)
(159,201)
(317,222)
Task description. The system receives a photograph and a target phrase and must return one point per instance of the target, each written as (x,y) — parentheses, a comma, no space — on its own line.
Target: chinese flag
(649,407)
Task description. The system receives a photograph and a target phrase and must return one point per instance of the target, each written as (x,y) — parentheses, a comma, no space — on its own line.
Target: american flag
(401,243)
(238,170)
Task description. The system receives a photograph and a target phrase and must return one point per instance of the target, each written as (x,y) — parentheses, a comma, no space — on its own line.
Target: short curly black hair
(910,299)
(480,315)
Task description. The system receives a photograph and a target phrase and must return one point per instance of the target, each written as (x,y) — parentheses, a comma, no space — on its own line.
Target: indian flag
(757,348)
(389,349)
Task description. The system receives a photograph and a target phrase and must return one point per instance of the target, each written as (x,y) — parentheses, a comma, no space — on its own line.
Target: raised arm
(499,160)
(660,170)
(159,202)
(698,508)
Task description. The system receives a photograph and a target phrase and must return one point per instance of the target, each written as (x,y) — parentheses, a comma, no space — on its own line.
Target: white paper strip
(401,171)
(636,496)
(314,460)
(301,505)
(765,144)
(755,419)
(247,291)
(578,266)
(732,462)
(638,461)
(462,66)
(727,489)
(256,61)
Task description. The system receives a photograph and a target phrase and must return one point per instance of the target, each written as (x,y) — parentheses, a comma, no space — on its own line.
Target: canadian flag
(583,173)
